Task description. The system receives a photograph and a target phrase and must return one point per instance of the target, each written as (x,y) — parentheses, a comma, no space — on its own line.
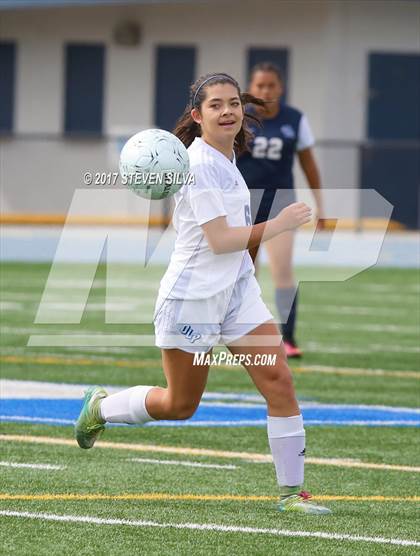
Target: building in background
(77,77)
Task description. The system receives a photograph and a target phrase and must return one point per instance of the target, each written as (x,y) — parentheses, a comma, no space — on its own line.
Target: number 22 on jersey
(267,148)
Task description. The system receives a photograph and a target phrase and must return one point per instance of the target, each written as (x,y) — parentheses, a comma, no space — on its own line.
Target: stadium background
(70,92)
(79,77)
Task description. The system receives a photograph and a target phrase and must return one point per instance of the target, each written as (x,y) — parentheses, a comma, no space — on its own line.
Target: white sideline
(209,527)
(245,456)
(46,466)
(184,463)
(210,423)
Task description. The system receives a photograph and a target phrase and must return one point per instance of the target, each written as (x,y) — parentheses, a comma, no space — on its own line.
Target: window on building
(175,70)
(84,88)
(7,85)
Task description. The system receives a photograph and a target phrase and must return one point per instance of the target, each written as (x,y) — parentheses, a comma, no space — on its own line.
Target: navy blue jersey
(269,163)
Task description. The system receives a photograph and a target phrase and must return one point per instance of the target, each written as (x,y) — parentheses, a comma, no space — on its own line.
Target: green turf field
(361,347)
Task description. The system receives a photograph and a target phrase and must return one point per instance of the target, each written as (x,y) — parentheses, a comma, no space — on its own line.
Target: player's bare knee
(278,386)
(180,410)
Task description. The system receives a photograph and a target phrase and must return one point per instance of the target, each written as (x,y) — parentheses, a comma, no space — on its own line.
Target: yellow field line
(49,360)
(81,220)
(54,219)
(138,447)
(251,457)
(199,497)
(56,360)
(356,372)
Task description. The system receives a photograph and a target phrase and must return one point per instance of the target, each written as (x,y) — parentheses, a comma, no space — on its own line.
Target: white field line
(371,328)
(212,527)
(67,296)
(142,303)
(361,423)
(95,340)
(263,422)
(141,340)
(31,389)
(27,389)
(33,354)
(70,284)
(369,298)
(362,465)
(390,408)
(25,419)
(319,405)
(249,457)
(354,463)
(128,306)
(129,281)
(316,347)
(351,310)
(239,423)
(36,355)
(41,328)
(356,371)
(148,283)
(183,463)
(375,298)
(81,306)
(97,349)
(82,350)
(10,306)
(46,466)
(384,288)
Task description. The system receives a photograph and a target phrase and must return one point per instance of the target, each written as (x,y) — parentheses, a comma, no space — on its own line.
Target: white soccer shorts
(198,325)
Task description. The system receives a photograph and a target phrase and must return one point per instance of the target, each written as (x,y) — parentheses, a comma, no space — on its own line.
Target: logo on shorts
(189,333)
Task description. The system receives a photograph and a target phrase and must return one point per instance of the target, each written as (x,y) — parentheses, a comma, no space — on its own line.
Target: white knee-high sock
(127,406)
(286,437)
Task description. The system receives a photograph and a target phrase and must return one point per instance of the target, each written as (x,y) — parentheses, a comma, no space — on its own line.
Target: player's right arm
(223,238)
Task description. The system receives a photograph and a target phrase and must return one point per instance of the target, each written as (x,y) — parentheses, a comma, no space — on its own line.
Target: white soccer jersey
(305,136)
(219,189)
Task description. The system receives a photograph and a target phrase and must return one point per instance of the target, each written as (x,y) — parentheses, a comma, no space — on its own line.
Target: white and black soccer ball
(154,164)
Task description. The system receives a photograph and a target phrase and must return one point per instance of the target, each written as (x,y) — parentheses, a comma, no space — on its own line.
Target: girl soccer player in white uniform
(209,293)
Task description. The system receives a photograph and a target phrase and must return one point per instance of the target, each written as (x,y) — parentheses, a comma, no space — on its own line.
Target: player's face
(267,86)
(221,113)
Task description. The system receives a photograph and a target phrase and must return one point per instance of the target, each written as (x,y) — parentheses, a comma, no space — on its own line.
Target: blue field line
(65,412)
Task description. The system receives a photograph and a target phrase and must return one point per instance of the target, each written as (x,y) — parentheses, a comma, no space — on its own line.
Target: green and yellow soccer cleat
(300,503)
(90,424)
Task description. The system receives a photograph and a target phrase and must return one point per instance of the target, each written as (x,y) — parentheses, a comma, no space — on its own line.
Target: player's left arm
(310,168)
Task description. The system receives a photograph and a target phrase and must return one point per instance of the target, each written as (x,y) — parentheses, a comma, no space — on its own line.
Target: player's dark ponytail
(186,129)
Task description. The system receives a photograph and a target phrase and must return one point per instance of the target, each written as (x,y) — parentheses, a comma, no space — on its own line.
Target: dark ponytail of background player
(186,129)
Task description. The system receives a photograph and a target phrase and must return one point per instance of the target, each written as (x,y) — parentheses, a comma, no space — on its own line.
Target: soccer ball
(154,164)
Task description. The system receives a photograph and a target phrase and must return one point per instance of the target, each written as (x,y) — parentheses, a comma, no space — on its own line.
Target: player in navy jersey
(268,171)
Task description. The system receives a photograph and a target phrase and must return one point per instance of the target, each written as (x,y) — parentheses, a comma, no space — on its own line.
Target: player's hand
(294,215)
